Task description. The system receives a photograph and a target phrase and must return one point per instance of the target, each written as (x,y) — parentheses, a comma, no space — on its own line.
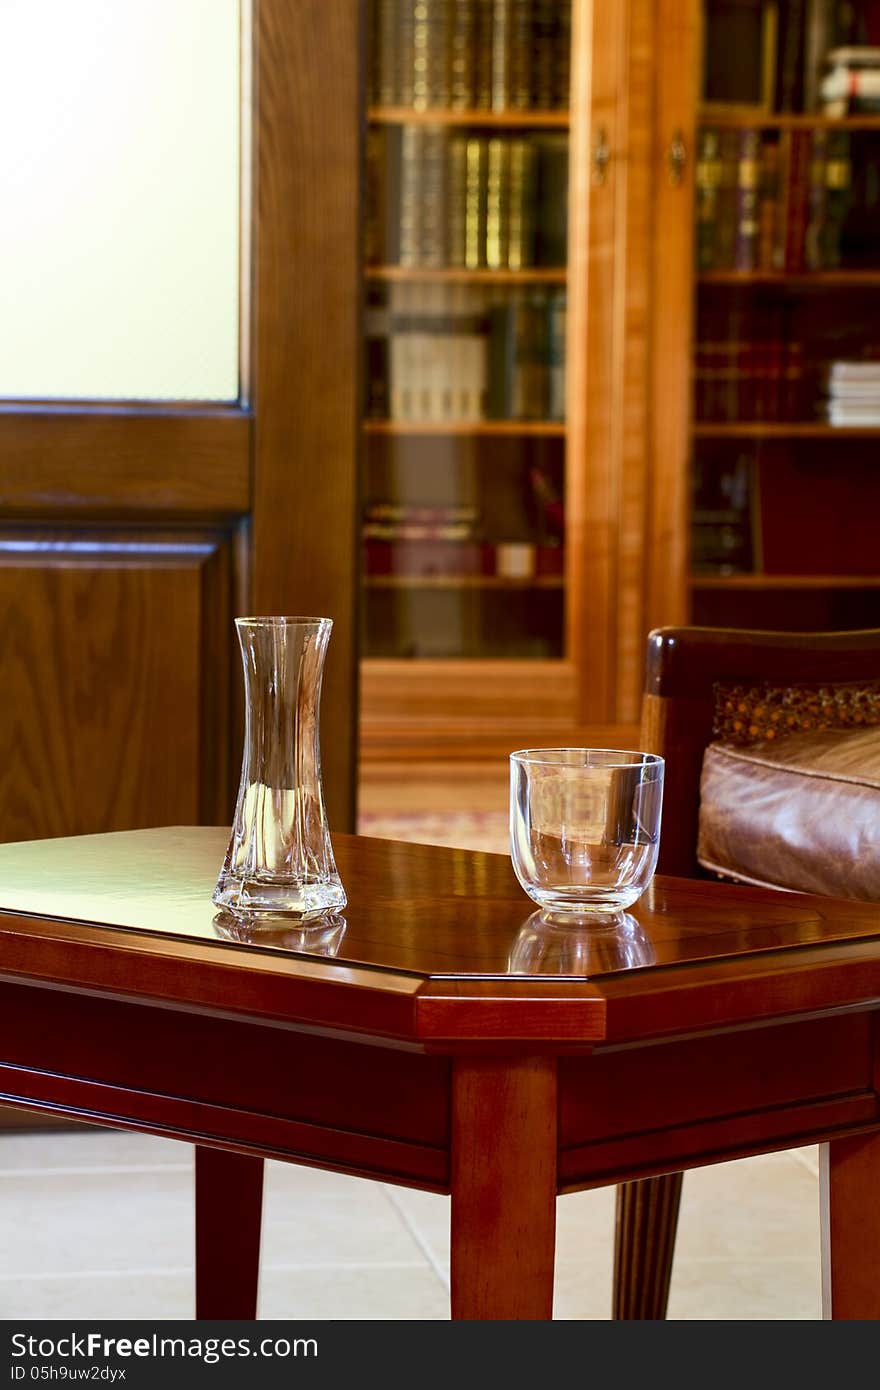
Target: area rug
(484,830)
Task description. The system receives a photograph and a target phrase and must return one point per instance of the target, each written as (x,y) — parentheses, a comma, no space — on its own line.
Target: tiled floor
(99,1224)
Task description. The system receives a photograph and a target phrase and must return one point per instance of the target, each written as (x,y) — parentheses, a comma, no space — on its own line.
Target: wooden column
(644,1242)
(849,1181)
(503,1188)
(229,1211)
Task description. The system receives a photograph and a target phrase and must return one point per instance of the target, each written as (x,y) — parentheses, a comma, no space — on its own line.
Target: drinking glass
(585,826)
(550,944)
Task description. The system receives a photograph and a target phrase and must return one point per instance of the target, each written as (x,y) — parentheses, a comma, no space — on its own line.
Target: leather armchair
(772,748)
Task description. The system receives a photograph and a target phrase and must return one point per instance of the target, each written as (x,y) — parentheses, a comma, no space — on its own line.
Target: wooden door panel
(116,461)
(115,674)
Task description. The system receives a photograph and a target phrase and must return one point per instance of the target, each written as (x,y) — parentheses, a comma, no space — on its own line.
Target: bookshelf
(778,249)
(469,469)
(435,115)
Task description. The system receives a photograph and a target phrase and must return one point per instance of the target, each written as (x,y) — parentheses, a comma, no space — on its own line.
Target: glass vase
(279,858)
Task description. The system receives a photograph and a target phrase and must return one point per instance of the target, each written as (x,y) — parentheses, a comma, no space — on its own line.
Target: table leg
(849,1180)
(644,1242)
(503,1188)
(229,1208)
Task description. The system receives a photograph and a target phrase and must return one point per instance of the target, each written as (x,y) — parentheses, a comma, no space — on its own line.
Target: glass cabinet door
(466,232)
(786,370)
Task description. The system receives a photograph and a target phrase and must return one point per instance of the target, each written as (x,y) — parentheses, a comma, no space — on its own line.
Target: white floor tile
(314,1218)
(76,1223)
(87,1148)
(737,1291)
(361,1292)
(755,1209)
(101,1223)
(154,1296)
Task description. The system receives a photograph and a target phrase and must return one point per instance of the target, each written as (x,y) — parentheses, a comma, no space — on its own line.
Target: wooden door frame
(609,354)
(675,106)
(307,345)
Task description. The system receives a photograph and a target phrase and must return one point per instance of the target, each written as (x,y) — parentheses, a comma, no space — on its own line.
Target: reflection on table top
(411,908)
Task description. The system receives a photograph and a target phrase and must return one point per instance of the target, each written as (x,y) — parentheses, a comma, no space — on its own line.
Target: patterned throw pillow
(747,714)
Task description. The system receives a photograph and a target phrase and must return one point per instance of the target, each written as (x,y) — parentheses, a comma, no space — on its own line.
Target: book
(382,210)
(463,41)
(551,199)
(796,200)
(377,327)
(725,233)
(412,139)
(483,17)
(790,66)
(468,353)
(723,514)
(382,55)
(403,46)
(432,192)
(707,179)
(818,38)
(430,345)
(556,326)
(560,96)
(386,510)
(814,231)
(430,54)
(745,250)
(456,204)
(519,367)
(545,42)
(838,194)
(476,159)
(422,557)
(497,202)
(520,57)
(859,236)
(849,91)
(792,403)
(501,26)
(400,400)
(768,204)
(521,205)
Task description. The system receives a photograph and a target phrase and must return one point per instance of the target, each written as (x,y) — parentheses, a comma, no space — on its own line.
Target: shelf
(784,581)
(539,275)
(831,279)
(740,118)
(461,581)
(439,115)
(757,429)
(526,428)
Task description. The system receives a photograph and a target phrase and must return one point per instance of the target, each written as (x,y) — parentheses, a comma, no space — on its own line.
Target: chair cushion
(802,812)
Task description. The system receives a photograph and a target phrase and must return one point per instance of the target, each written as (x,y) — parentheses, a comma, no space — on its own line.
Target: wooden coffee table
(443,1037)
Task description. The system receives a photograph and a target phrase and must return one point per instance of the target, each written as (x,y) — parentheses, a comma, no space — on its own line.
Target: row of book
(854,393)
(772,202)
(440,198)
(470,54)
(851,85)
(736,379)
(723,515)
(465,353)
(514,560)
(402,538)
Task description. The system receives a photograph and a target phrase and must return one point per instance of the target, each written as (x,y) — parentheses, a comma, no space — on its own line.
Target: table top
(424,925)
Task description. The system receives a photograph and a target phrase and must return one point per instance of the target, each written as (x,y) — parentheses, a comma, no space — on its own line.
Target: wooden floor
(459,774)
(422,788)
